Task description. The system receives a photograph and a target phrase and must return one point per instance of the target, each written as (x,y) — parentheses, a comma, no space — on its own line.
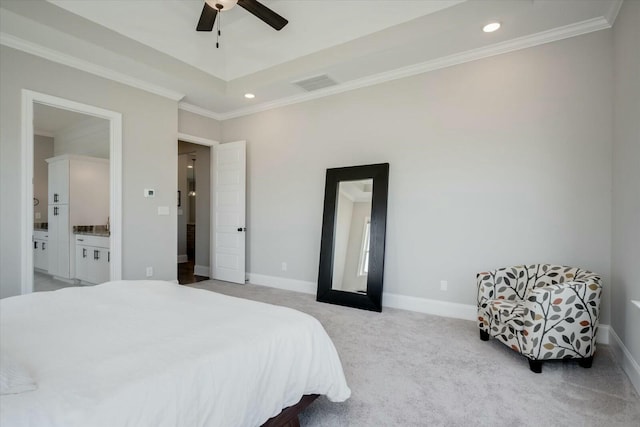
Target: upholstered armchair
(541,311)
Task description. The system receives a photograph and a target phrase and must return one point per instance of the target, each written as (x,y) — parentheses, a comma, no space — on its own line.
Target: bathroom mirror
(353,236)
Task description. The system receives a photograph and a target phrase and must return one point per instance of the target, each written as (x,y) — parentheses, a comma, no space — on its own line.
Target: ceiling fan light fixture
(491,27)
(221,5)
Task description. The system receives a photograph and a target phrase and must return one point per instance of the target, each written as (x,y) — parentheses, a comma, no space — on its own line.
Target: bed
(152,353)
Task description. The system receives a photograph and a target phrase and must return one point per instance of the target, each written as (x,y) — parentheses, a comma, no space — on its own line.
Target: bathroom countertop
(41,226)
(92,230)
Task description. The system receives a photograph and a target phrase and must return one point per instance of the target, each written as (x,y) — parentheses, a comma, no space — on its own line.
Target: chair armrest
(561,320)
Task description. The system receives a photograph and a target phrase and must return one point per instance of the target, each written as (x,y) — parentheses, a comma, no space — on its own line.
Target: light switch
(163,210)
(38,216)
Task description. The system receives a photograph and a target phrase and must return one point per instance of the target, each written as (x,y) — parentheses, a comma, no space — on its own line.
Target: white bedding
(151,353)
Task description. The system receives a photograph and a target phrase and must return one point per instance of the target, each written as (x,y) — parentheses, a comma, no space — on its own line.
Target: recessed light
(249,95)
(190,166)
(491,27)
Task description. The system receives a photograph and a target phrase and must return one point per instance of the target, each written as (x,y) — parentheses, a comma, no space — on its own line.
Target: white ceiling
(49,121)
(154,45)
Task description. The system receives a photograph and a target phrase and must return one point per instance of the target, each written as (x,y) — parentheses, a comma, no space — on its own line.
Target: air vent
(315,83)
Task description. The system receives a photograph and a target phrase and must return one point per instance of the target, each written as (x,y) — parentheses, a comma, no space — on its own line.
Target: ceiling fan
(212,7)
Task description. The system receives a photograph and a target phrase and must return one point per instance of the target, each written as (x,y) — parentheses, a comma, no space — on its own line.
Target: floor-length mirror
(353,236)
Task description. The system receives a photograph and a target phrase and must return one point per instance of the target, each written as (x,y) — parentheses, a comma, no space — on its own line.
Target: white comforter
(151,353)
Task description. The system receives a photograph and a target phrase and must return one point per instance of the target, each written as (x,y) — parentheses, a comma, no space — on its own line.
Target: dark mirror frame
(373,298)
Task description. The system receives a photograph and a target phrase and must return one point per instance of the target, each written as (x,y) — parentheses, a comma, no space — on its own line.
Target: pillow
(14,378)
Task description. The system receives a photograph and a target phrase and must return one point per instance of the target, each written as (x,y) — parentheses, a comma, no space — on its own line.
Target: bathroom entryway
(194,206)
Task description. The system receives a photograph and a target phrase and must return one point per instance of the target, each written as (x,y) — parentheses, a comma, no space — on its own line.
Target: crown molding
(556,34)
(524,42)
(80,64)
(613,11)
(185,106)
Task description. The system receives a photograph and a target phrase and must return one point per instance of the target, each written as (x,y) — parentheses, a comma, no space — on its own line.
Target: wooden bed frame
(289,416)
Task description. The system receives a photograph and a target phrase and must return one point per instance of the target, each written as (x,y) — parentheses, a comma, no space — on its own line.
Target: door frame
(30,97)
(209,143)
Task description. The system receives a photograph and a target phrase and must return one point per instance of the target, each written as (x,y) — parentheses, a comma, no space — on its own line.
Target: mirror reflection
(352,235)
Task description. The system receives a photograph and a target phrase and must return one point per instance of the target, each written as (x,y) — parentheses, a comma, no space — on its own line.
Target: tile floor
(42,282)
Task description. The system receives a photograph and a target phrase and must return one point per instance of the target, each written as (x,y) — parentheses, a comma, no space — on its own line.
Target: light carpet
(414,369)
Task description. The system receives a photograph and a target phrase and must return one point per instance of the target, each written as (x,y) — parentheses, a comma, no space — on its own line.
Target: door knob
(242,228)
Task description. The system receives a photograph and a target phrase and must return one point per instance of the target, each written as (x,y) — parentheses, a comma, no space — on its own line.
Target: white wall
(625,275)
(87,138)
(497,162)
(150,126)
(42,150)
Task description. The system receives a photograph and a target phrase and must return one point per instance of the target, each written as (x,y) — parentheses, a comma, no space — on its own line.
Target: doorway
(71,199)
(194,212)
(227,209)
(32,102)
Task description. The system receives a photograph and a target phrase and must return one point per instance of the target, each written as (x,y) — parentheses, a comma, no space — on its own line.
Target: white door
(228,212)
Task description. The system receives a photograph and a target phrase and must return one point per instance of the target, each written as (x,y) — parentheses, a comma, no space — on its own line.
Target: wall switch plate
(284,266)
(443,285)
(38,216)
(149,271)
(163,210)
(149,192)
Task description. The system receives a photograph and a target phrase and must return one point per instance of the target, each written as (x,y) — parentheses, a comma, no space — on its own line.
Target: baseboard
(402,302)
(626,360)
(183,259)
(282,283)
(201,270)
(430,306)
(603,334)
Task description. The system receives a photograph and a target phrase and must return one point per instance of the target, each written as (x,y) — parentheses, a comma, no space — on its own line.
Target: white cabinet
(92,259)
(78,195)
(58,180)
(40,254)
(58,245)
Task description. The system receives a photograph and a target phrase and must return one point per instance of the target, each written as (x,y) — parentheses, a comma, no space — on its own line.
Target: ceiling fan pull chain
(219,33)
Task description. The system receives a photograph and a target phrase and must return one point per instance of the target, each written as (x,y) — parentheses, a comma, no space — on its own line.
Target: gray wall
(496,162)
(42,150)
(625,276)
(196,125)
(150,126)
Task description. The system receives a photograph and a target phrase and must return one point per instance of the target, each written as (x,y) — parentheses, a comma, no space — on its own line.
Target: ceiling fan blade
(207,18)
(264,13)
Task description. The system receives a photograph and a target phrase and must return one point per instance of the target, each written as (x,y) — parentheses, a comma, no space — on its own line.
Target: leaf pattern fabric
(543,311)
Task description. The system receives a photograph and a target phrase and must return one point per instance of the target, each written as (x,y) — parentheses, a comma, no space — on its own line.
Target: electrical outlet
(149,271)
(284,266)
(443,285)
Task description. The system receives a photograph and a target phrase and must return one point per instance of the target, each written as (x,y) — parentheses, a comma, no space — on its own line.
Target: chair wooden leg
(535,366)
(484,336)
(586,362)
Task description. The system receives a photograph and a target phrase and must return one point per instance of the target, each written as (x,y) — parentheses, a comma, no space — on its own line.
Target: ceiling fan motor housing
(221,5)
